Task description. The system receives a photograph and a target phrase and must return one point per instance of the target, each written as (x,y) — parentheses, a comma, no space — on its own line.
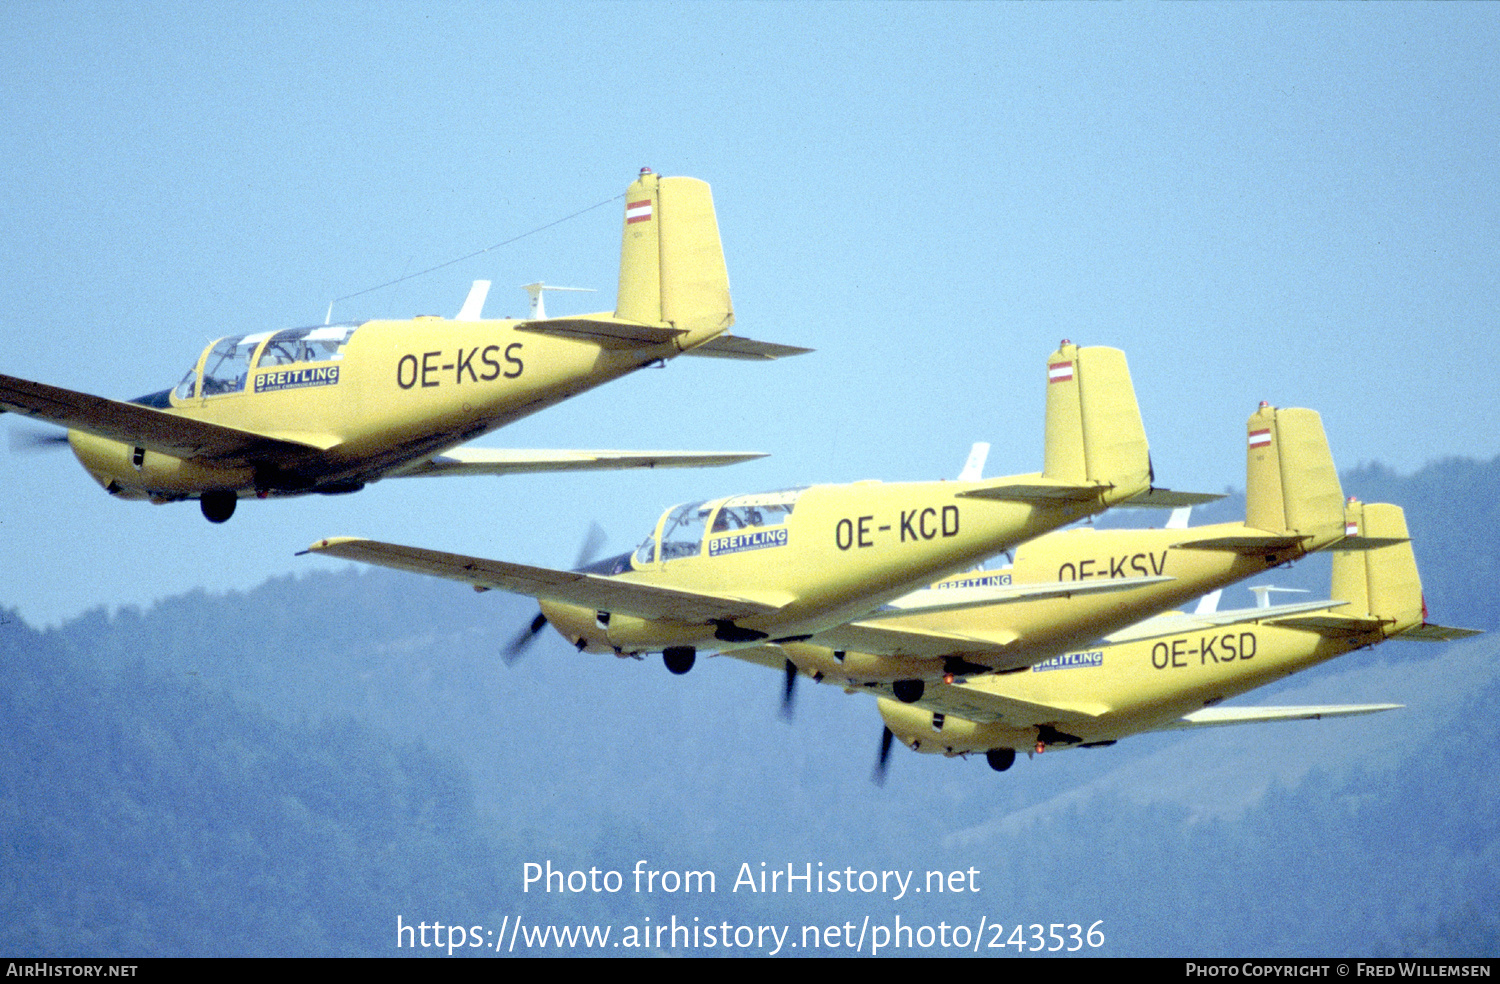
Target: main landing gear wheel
(908,691)
(1000,759)
(217,506)
(679,659)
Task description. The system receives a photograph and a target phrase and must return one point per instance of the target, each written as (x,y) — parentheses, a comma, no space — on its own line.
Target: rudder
(1381,580)
(1094,429)
(672,267)
(1291,484)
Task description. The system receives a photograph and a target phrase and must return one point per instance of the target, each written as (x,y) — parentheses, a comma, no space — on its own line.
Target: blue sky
(1293,203)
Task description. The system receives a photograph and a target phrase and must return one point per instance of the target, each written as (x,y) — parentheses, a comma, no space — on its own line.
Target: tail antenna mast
(538,309)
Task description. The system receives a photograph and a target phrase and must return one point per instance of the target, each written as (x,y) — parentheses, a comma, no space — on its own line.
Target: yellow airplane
(1171,673)
(748,568)
(1069,588)
(331,408)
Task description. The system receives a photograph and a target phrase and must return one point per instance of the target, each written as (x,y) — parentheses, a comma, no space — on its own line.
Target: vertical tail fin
(1094,429)
(1381,579)
(1291,484)
(671,260)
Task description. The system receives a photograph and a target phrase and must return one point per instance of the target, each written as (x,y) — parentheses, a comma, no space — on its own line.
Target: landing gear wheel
(679,659)
(908,691)
(1000,759)
(218,506)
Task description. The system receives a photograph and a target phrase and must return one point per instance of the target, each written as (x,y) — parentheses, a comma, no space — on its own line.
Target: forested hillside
(291,769)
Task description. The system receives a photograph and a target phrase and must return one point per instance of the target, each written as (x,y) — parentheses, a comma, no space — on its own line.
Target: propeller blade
(24,439)
(593,542)
(587,552)
(524,638)
(885,753)
(788,692)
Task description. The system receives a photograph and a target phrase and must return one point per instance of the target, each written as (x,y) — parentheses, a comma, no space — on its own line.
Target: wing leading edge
(498,461)
(154,430)
(607,594)
(1219,717)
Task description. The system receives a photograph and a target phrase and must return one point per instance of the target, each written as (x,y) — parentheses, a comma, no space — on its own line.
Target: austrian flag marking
(1260,438)
(638,211)
(1060,372)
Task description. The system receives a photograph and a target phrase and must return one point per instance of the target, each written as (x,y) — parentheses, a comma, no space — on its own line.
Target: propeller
(593,542)
(524,638)
(24,439)
(886,737)
(789,690)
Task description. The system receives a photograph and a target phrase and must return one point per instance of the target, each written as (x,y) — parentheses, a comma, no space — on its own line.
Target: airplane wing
(915,643)
(154,430)
(975,704)
(873,634)
(1218,717)
(928,600)
(735,347)
(607,594)
(503,461)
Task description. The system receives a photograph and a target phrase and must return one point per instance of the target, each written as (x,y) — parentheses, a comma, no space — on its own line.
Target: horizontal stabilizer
(604,330)
(929,600)
(1438,633)
(879,638)
(1168,499)
(500,461)
(1249,543)
(143,427)
(1035,488)
(608,594)
(1173,623)
(1367,543)
(1218,717)
(1330,624)
(735,347)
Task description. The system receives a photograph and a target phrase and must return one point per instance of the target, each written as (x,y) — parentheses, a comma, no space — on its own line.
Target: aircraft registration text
(916,525)
(1226,648)
(1125,565)
(478,364)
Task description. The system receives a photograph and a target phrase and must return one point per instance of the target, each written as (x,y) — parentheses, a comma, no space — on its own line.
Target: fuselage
(366,399)
(1118,690)
(822,556)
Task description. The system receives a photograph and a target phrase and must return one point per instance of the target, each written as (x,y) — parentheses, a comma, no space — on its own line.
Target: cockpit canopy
(719,526)
(225,366)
